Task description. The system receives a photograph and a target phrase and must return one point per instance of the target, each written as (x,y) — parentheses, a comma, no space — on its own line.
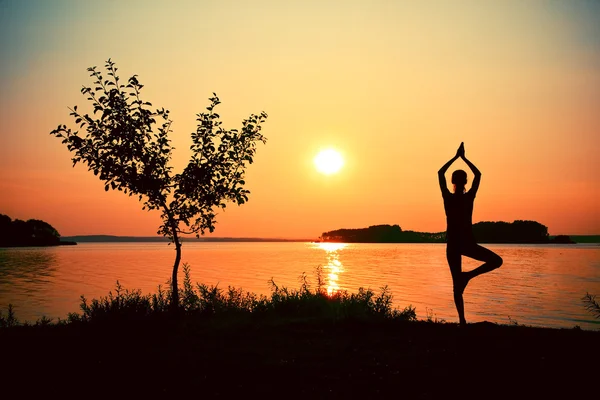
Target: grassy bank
(214,305)
(293,344)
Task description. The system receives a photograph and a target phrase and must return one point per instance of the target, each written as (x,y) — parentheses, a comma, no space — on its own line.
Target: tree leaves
(126,144)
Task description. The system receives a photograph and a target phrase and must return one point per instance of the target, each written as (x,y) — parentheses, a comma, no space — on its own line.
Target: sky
(393,86)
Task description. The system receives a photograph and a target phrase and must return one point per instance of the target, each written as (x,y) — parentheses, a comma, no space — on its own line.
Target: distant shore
(500,232)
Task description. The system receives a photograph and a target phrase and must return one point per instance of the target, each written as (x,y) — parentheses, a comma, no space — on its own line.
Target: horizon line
(249,237)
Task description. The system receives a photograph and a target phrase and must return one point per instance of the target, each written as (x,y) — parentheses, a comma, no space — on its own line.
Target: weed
(591,305)
(432,318)
(10,320)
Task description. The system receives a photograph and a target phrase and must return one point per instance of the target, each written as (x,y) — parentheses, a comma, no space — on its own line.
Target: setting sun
(329,161)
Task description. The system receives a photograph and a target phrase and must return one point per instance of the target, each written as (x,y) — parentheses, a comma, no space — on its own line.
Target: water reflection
(334,266)
(31,265)
(27,276)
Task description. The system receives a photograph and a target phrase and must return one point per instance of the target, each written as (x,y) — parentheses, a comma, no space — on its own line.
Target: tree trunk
(174,285)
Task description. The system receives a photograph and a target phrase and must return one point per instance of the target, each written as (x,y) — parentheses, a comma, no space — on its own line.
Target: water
(538,285)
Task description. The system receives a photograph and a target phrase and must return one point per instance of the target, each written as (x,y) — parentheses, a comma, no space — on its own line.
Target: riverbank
(294,359)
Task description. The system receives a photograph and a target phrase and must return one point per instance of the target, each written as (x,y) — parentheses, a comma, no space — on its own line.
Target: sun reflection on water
(334,266)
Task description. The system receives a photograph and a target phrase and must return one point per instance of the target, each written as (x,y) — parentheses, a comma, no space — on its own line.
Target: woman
(459,234)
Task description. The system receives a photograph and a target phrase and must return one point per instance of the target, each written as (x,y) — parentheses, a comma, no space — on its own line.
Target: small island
(33,232)
(562,239)
(517,232)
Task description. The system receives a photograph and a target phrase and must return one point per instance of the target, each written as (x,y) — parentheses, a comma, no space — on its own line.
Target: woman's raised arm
(476,172)
(442,171)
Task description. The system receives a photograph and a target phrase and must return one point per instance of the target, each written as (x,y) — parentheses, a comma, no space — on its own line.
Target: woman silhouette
(459,234)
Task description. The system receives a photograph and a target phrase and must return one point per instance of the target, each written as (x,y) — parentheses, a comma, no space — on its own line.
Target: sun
(329,161)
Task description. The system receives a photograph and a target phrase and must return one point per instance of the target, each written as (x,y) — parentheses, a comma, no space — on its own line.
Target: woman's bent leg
(491,260)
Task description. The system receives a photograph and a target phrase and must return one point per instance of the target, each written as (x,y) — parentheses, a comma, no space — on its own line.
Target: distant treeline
(382,234)
(584,238)
(485,232)
(32,232)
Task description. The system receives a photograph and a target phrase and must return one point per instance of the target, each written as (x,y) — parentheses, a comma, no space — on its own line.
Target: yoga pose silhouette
(459,234)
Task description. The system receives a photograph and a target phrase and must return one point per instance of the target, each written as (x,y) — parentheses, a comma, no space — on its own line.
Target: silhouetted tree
(518,231)
(5,229)
(126,147)
(33,232)
(42,233)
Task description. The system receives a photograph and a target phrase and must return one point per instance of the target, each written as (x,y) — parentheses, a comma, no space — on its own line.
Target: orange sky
(394,86)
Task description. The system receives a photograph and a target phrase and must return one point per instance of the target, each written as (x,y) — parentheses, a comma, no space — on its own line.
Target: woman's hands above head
(461,150)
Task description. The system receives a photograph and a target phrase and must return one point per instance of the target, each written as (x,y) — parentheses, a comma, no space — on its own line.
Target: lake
(538,285)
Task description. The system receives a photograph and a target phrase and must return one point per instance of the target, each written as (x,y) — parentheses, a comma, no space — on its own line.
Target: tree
(33,232)
(518,231)
(129,150)
(5,230)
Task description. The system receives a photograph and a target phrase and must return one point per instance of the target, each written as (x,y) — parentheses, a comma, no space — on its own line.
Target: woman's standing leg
(458,280)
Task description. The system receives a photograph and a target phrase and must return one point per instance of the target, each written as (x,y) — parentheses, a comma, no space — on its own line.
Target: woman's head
(459,179)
